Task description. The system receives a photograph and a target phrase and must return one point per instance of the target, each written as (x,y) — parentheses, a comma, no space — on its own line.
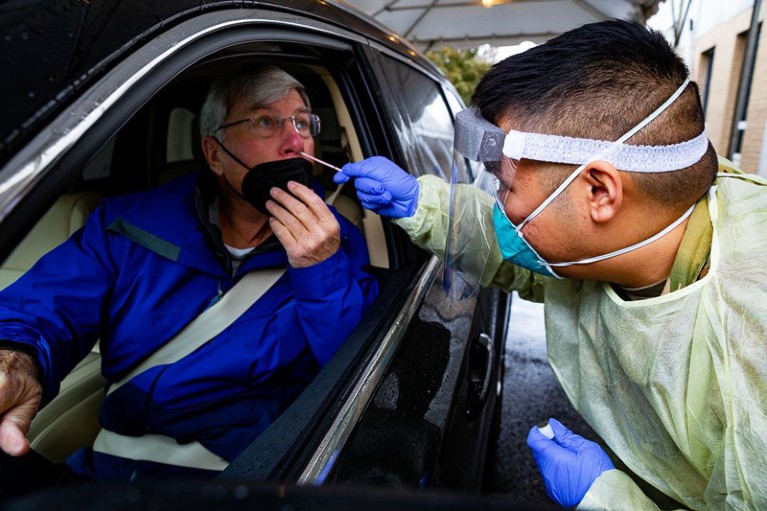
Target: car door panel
(398,439)
(295,446)
(420,407)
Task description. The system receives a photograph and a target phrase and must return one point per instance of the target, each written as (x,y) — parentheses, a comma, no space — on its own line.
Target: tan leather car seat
(66,215)
(70,420)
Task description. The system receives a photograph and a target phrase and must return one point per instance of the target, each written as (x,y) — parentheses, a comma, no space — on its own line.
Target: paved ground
(531,394)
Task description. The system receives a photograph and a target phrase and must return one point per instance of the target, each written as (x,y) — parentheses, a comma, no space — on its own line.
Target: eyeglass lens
(266,126)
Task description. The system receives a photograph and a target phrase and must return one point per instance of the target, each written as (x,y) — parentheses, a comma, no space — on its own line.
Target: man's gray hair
(260,86)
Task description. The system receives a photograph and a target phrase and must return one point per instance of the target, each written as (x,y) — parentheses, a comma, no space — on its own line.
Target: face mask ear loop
(647,120)
(227,151)
(235,190)
(622,139)
(553,196)
(632,247)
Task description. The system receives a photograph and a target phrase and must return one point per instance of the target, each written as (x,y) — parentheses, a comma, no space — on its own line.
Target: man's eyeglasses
(265,126)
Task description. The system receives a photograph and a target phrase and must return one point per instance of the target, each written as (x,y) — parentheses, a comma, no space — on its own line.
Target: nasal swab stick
(321,162)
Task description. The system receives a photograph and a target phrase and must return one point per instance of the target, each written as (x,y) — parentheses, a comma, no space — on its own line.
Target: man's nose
(290,141)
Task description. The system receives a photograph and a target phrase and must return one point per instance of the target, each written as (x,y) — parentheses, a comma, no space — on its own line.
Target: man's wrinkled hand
(20,396)
(304,225)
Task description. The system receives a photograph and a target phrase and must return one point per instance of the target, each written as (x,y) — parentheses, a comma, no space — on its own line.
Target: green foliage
(463,68)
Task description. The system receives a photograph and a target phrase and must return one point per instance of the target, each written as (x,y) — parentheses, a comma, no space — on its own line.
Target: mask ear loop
(232,156)
(647,120)
(630,133)
(632,247)
(553,195)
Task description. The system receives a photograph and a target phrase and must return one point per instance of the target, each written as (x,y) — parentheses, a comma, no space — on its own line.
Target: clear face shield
(475,227)
(470,224)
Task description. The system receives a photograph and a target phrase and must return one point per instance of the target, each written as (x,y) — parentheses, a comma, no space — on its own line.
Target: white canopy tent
(430,24)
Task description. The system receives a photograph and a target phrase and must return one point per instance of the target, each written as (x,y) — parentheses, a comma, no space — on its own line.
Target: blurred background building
(723,47)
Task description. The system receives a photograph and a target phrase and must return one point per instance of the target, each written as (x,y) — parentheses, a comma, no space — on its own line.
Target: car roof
(52,49)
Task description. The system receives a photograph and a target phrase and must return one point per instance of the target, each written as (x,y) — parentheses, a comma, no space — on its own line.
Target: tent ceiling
(430,24)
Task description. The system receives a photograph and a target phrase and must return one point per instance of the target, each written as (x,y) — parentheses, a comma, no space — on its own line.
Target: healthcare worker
(601,196)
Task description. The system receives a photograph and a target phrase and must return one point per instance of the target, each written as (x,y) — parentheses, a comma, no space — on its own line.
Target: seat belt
(211,322)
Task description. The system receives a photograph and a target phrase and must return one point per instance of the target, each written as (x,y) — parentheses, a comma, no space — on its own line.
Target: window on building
(707,67)
(741,105)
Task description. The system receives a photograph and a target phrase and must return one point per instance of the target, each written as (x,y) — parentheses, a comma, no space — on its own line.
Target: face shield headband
(480,140)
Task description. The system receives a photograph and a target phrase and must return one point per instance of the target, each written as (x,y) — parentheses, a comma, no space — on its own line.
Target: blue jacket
(147,264)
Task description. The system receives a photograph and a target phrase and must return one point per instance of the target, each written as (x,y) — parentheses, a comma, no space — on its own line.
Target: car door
(438,399)
(419,372)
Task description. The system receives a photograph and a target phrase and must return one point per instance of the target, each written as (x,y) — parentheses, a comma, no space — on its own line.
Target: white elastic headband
(617,145)
(636,158)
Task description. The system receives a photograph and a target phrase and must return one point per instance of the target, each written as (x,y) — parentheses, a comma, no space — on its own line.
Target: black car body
(101,96)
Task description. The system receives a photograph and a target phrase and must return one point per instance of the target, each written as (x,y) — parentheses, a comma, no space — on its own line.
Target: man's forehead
(278,106)
(291,100)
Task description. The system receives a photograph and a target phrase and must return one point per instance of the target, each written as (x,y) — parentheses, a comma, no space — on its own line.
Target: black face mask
(265,176)
(262,178)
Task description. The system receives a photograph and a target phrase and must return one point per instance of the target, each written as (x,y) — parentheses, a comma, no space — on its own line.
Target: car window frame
(302,444)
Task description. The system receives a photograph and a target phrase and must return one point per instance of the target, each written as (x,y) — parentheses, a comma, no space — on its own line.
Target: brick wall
(729,43)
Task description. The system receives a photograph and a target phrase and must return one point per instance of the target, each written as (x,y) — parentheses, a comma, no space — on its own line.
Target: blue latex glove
(569,463)
(382,186)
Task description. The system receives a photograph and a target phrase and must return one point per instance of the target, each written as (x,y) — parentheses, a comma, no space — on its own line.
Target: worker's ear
(604,190)
(212,151)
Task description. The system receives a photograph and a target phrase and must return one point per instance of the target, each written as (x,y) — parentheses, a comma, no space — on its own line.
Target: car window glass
(420,97)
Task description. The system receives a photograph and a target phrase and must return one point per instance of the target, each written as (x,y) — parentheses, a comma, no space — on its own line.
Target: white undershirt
(238,253)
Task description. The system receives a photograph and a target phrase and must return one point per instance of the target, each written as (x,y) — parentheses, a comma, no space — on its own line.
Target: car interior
(159,142)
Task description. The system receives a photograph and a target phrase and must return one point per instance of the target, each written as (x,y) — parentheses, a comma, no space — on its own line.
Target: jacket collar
(174,221)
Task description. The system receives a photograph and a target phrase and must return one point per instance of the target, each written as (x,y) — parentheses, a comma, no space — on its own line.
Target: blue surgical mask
(515,248)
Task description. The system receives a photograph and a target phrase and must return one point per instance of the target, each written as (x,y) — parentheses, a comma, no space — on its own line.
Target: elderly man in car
(146,265)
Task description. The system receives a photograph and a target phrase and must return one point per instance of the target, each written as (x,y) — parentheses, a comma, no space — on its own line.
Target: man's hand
(304,225)
(20,396)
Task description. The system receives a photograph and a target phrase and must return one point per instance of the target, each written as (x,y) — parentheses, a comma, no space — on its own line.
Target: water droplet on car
(241,492)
